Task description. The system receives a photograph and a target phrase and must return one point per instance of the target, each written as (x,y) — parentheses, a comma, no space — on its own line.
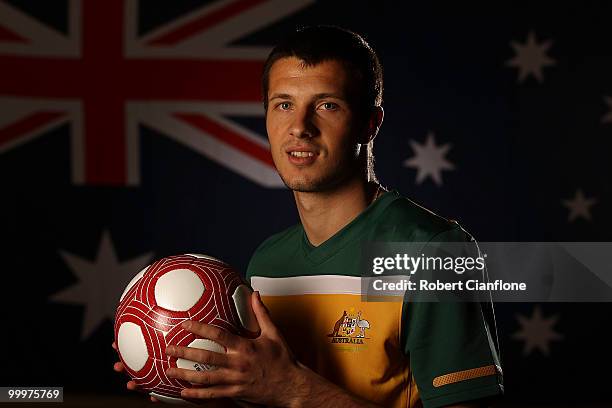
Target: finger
(131,385)
(216,334)
(115,345)
(118,366)
(217,391)
(221,376)
(199,355)
(262,314)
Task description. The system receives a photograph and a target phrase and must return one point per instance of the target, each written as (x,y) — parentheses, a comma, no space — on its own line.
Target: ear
(375,120)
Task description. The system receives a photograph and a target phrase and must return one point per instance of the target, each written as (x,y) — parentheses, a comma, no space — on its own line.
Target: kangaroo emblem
(334,333)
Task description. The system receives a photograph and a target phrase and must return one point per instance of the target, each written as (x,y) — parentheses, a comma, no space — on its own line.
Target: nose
(302,125)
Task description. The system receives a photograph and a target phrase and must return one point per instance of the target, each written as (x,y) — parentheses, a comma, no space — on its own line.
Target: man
(322,92)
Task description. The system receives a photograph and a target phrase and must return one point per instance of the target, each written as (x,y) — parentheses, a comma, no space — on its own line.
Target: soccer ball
(159,298)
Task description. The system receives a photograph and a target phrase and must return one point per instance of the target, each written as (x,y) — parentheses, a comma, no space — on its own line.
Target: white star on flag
(429,159)
(537,332)
(100,283)
(607,118)
(579,206)
(531,57)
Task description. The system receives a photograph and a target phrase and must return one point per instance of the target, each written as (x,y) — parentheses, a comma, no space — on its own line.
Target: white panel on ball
(204,344)
(133,282)
(132,346)
(242,301)
(178,290)
(170,400)
(206,257)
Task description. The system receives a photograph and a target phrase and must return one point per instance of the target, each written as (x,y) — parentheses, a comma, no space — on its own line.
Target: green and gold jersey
(396,354)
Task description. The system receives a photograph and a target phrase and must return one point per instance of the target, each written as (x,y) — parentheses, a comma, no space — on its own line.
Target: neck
(325,213)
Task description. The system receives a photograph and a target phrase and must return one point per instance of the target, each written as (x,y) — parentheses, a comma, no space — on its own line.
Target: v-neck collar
(350,232)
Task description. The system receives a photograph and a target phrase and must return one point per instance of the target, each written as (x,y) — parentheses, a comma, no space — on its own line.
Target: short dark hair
(315,44)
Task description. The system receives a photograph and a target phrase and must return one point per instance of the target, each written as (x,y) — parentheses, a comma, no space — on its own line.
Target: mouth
(301,156)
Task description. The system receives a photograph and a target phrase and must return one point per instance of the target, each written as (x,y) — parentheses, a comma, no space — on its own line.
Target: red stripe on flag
(227,136)
(203,22)
(28,124)
(9,36)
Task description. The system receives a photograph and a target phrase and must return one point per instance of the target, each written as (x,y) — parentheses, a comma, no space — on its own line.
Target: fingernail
(186,324)
(169,349)
(170,372)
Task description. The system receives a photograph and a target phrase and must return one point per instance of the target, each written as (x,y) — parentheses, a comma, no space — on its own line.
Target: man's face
(310,124)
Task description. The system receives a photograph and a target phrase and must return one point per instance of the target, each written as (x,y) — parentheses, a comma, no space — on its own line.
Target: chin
(303,184)
(310,185)
(315,180)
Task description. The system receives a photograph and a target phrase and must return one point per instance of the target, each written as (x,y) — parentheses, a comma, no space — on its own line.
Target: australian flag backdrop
(133,130)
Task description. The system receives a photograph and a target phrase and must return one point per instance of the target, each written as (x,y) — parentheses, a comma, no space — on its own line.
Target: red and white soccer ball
(159,298)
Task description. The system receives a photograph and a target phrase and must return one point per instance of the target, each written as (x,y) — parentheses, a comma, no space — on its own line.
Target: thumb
(262,314)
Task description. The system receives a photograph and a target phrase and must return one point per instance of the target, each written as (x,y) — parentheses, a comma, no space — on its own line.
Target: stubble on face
(338,171)
(329,134)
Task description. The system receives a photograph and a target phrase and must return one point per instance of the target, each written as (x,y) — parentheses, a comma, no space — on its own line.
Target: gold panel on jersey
(464,375)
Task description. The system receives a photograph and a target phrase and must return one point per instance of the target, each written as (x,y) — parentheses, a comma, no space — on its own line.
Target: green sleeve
(442,338)
(257,259)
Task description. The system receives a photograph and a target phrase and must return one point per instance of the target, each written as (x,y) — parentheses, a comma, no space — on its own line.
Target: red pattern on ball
(215,307)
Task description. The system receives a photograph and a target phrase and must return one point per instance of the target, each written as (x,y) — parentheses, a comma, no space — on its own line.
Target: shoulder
(283,238)
(406,220)
(275,249)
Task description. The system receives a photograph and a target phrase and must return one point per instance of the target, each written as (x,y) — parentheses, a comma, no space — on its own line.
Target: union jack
(184,78)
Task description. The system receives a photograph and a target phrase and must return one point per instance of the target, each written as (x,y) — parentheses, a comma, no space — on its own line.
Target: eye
(284,105)
(329,106)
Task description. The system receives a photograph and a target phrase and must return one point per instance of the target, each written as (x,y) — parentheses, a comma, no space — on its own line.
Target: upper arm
(452,355)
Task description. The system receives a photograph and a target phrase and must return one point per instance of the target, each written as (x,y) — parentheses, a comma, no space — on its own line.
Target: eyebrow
(280,96)
(317,96)
(329,95)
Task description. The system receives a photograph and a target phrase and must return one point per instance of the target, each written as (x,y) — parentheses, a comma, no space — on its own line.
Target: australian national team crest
(350,328)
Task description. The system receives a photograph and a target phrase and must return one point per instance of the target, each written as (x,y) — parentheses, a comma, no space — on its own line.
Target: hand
(261,370)
(131,385)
